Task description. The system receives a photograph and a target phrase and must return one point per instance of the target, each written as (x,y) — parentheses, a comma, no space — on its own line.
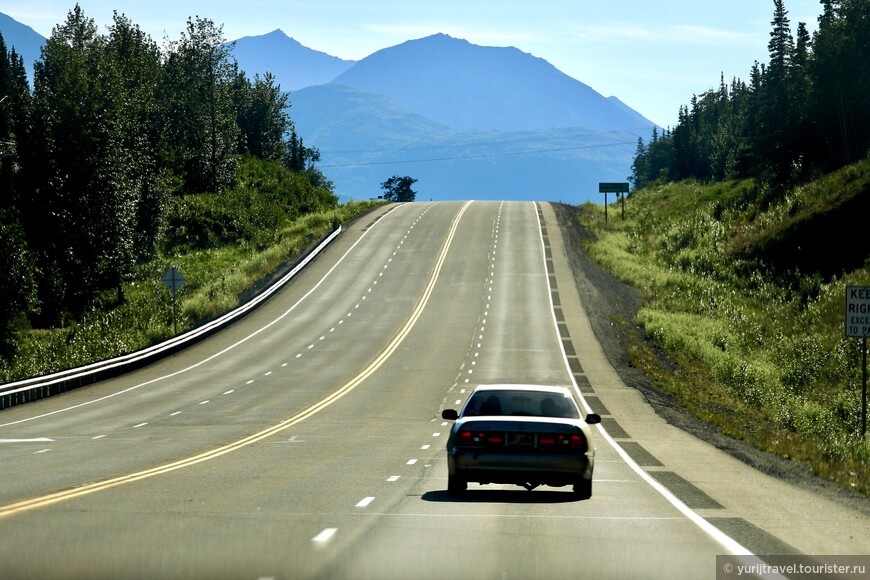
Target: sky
(653,56)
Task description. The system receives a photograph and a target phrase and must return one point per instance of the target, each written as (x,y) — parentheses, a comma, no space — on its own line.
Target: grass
(761,352)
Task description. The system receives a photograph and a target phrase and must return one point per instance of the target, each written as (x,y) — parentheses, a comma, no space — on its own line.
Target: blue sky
(652,55)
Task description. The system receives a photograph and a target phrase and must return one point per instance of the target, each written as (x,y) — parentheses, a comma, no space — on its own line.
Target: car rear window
(529,403)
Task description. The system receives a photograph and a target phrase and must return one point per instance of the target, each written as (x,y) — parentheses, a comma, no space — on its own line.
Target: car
(528,435)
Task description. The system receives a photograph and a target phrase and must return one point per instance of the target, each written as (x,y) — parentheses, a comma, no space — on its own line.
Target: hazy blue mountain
(350,120)
(467,121)
(466,86)
(294,66)
(364,138)
(26,41)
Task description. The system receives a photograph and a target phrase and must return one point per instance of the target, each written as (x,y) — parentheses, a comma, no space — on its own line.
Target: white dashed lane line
(364,502)
(324,536)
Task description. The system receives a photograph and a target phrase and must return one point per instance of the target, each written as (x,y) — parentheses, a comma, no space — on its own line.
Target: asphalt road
(306,440)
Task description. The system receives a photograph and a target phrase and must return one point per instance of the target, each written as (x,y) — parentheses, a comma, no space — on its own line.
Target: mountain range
(466,121)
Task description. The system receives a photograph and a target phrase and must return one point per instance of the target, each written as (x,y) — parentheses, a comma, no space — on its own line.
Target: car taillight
(479,438)
(562,440)
(577,441)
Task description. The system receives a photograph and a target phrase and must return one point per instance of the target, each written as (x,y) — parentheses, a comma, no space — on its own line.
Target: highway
(306,441)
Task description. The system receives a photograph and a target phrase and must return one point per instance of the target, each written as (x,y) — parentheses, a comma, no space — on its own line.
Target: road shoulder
(769,505)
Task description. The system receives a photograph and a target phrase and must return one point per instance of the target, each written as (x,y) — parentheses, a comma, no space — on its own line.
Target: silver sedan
(528,435)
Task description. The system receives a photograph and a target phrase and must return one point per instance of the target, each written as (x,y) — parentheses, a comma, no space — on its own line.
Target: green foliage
(399,188)
(123,149)
(261,114)
(297,192)
(765,343)
(807,111)
(17,286)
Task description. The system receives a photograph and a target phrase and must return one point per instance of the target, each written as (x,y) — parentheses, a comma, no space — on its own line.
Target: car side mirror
(593,418)
(449,414)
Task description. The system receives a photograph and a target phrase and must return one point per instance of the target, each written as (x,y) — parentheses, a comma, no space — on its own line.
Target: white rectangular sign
(857,311)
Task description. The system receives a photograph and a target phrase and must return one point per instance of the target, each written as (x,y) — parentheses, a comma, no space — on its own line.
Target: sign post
(858,326)
(173,279)
(617,188)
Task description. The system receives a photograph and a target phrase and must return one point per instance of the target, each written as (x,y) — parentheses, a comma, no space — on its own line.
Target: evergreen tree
(639,166)
(776,100)
(800,140)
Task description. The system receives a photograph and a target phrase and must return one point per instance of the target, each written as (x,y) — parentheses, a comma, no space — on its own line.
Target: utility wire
(477,156)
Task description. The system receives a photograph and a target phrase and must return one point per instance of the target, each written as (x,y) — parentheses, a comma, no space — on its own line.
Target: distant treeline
(804,113)
(115,133)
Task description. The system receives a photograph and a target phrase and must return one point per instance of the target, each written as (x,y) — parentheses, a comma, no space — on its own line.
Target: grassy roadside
(216,277)
(759,345)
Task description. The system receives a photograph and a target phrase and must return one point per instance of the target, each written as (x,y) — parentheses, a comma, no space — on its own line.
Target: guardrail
(27,390)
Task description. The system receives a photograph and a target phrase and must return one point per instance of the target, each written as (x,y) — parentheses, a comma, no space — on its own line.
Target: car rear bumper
(517,468)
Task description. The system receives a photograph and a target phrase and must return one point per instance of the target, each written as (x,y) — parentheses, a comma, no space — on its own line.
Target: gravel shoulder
(605,300)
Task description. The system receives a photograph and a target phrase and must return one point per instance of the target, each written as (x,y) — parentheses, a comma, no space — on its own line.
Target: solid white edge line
(734,547)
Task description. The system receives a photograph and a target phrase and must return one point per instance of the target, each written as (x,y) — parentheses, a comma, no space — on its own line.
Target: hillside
(746,338)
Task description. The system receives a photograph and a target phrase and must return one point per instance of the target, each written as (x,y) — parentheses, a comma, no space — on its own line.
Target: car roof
(516,387)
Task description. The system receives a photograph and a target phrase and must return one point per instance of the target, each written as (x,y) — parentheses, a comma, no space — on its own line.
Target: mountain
(354,120)
(466,86)
(467,121)
(364,138)
(294,66)
(26,41)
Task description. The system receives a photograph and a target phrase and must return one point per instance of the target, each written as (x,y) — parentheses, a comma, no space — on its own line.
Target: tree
(261,114)
(133,71)
(399,188)
(776,122)
(17,286)
(200,121)
(14,125)
(64,224)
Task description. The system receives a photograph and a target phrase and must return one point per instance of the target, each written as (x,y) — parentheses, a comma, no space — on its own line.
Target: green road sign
(613,188)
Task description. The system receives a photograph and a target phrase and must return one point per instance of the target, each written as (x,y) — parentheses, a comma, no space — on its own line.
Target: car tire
(583,489)
(456,485)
